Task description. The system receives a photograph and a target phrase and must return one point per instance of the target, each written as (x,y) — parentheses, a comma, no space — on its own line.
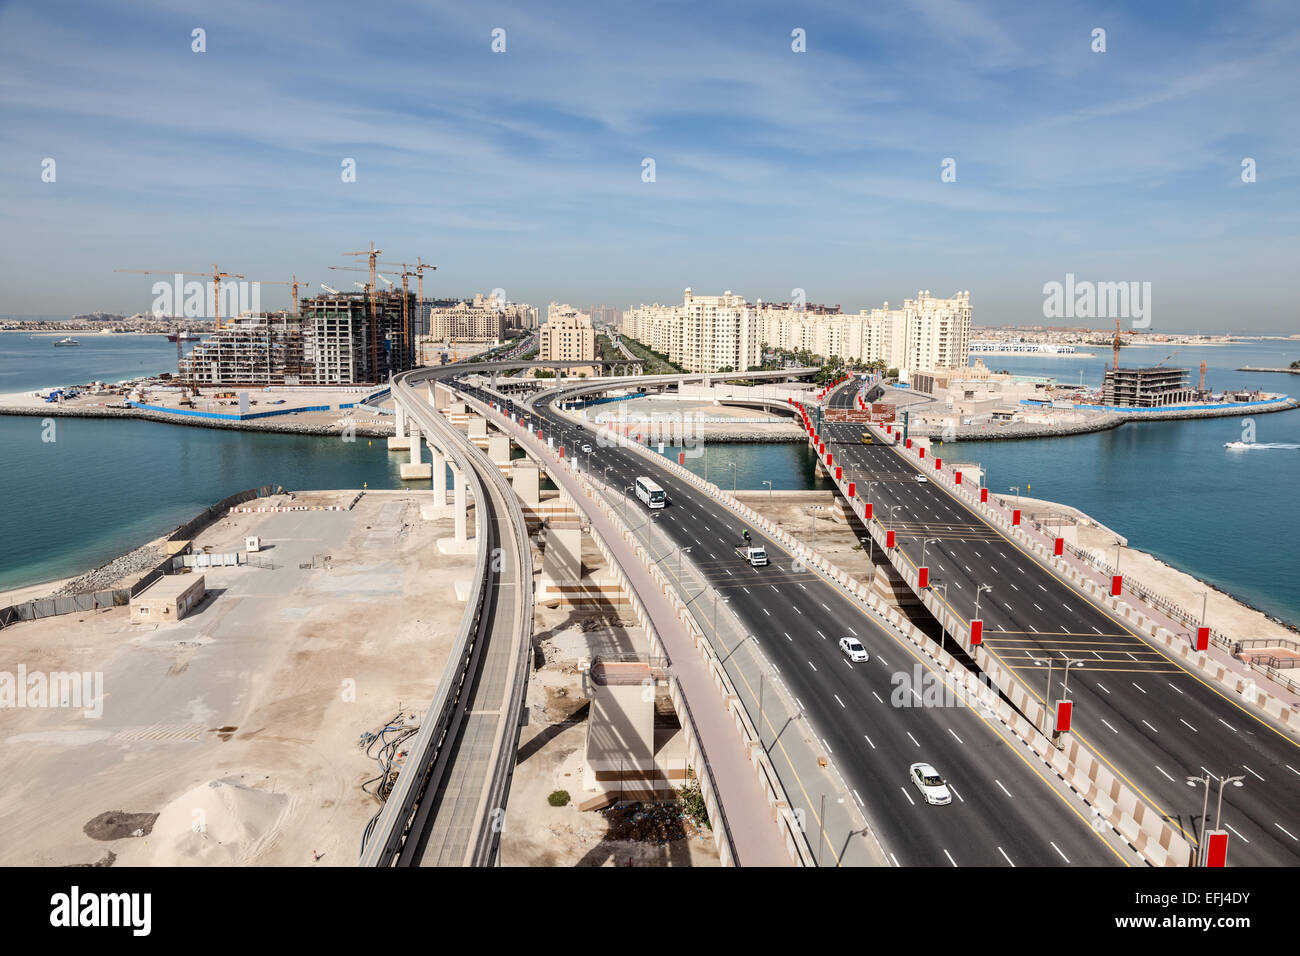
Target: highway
(1007,811)
(1135,708)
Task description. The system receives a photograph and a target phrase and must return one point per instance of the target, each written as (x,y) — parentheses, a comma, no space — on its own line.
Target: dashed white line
(813,666)
(868,740)
(1004,855)
(1058,850)
(955,737)
(1228,725)
(1251,772)
(1188,726)
(914,740)
(1167,777)
(908,795)
(949,856)
(1153,730)
(1107,723)
(1002,788)
(837,699)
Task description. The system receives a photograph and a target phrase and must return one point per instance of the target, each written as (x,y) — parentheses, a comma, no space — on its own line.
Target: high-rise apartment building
(336,339)
(567,336)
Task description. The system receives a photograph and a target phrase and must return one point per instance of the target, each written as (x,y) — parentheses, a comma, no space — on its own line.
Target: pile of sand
(218,823)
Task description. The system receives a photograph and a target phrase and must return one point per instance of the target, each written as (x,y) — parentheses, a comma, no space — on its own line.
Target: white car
(926,779)
(853,650)
(586,449)
(922,478)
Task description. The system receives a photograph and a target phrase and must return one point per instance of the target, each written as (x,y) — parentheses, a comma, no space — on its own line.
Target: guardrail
(387,835)
(794,839)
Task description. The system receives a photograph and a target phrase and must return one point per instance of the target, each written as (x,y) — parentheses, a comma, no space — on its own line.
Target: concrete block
(399,444)
(411,471)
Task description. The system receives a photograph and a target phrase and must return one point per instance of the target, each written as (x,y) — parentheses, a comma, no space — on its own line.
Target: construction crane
(373,255)
(330,290)
(1115,343)
(216,274)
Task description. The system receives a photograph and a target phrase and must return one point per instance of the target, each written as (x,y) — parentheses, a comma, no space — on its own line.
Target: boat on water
(1236,445)
(66,342)
(184,336)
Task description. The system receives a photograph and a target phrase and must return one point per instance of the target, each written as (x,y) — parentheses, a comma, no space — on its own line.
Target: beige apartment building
(567,336)
(710,333)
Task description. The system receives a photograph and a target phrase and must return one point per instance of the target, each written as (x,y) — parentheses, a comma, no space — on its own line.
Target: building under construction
(336,339)
(1147,387)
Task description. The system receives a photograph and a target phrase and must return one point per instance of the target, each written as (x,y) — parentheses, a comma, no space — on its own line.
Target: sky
(774,170)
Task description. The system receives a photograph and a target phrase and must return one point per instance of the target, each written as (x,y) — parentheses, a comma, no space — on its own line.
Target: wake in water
(1242,445)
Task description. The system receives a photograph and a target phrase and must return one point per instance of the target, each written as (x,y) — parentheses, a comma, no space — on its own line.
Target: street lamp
(978,590)
(1203,848)
(715,611)
(733,475)
(1047,713)
(1017,491)
(926,543)
(769,489)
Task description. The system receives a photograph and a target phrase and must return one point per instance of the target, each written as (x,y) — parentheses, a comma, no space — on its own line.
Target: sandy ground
(231,736)
(551,751)
(259,401)
(664,412)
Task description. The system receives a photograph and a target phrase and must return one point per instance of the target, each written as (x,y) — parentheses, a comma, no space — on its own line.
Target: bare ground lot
(230,737)
(551,752)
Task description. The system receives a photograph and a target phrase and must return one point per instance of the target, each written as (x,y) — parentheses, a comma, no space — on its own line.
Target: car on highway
(922,478)
(854,650)
(586,449)
(926,779)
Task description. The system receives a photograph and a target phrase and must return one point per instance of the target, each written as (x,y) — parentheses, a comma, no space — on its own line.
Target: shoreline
(1192,584)
(361,430)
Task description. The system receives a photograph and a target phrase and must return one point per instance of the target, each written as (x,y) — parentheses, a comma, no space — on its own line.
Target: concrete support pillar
(416,457)
(439,477)
(526,481)
(459,506)
(415,469)
(399,440)
(499,448)
(460,543)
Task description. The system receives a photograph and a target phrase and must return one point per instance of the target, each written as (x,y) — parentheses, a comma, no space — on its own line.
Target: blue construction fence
(1243,406)
(235,417)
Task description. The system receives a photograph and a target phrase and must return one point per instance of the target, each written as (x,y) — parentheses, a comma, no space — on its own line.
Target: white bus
(651,495)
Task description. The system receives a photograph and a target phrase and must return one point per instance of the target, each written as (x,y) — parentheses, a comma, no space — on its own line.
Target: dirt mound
(119,824)
(218,823)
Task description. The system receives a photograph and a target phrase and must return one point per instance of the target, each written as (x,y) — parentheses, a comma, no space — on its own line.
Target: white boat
(1236,445)
(67,341)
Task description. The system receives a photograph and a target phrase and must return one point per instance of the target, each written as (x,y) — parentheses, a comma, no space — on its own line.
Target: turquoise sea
(1231,518)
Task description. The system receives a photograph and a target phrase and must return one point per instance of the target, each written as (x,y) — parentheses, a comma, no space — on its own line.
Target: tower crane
(216,275)
(373,254)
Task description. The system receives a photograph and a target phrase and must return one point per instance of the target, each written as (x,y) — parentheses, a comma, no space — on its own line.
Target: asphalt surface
(1138,710)
(1007,811)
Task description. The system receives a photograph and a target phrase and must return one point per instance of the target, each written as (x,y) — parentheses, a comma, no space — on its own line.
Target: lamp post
(1205,781)
(733,475)
(1017,491)
(925,543)
(769,489)
(978,590)
(715,610)
(1047,713)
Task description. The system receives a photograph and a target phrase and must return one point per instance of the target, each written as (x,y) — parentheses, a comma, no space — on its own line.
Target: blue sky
(774,169)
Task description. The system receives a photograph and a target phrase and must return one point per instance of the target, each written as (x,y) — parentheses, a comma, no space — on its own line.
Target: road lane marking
(1189,726)
(1002,788)
(1107,723)
(1004,855)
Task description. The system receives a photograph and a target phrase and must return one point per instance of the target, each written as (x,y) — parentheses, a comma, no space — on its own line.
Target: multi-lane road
(1136,708)
(1009,809)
